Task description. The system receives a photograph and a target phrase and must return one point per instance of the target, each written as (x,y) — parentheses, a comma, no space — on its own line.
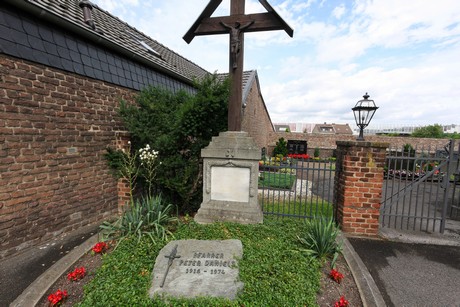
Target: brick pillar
(122,143)
(358,186)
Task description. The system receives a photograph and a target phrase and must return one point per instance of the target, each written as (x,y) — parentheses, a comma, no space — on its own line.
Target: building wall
(256,120)
(56,121)
(54,130)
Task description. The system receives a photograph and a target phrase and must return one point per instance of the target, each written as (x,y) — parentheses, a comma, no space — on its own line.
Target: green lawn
(276,180)
(304,208)
(274,270)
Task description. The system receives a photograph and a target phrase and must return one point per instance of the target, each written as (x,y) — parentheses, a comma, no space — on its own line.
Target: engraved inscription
(213,263)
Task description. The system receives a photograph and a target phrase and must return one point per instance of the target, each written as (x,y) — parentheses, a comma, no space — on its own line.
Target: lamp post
(364,111)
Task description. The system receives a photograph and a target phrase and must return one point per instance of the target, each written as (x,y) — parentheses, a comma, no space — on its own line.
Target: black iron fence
(297,188)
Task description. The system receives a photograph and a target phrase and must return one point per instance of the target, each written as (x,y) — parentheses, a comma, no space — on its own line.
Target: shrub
(280,148)
(320,240)
(316,152)
(147,216)
(178,125)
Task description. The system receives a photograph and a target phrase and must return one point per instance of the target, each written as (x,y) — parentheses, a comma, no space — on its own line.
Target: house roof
(332,129)
(106,29)
(249,77)
(109,32)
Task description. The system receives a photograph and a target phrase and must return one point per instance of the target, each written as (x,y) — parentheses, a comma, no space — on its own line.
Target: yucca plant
(320,240)
(147,216)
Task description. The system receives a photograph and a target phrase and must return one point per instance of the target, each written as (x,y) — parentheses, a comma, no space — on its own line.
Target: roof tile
(115,31)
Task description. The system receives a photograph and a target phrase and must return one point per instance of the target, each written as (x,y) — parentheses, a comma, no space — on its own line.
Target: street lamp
(364,111)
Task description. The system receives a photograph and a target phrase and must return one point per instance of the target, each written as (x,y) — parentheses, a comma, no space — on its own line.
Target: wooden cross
(236,24)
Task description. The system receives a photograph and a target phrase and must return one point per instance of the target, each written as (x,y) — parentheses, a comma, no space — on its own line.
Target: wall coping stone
(362,144)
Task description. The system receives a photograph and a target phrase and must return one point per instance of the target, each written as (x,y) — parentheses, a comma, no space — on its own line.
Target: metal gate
(420,188)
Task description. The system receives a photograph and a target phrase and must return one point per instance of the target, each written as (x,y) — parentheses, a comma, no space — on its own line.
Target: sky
(404,54)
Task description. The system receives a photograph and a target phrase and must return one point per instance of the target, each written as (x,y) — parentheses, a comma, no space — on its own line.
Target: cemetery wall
(54,130)
(327,143)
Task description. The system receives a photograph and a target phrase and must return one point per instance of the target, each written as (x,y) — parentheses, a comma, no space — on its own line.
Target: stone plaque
(297,147)
(191,268)
(230,183)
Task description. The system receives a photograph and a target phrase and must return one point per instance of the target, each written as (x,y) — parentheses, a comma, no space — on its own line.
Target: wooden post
(236,75)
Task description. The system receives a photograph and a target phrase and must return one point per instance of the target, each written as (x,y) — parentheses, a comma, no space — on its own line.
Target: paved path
(22,270)
(409,274)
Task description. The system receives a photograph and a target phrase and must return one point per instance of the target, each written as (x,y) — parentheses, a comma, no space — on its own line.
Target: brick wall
(256,120)
(327,143)
(54,128)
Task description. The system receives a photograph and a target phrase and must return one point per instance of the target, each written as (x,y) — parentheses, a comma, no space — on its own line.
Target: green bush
(147,216)
(178,125)
(316,152)
(280,148)
(320,240)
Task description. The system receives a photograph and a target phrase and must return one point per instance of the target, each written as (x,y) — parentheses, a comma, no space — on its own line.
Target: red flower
(57,298)
(341,303)
(336,276)
(77,274)
(99,247)
(299,156)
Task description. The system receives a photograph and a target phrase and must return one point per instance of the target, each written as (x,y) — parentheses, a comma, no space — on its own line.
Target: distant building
(282,128)
(404,129)
(332,129)
(324,128)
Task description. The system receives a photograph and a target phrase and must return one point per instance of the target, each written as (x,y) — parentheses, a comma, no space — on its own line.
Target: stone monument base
(221,211)
(230,180)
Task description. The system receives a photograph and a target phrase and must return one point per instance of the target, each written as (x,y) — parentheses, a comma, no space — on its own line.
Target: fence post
(358,186)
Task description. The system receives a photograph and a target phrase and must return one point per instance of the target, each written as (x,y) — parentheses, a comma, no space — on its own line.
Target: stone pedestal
(230,177)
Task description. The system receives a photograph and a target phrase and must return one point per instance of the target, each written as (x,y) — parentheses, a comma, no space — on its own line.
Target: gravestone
(192,268)
(297,147)
(230,187)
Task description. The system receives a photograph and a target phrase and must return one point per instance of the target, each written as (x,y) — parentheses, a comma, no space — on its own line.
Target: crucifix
(236,25)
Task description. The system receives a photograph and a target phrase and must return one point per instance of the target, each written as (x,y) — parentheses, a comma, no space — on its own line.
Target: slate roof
(113,32)
(249,76)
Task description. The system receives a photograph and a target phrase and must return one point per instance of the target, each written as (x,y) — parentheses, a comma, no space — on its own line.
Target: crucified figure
(235,43)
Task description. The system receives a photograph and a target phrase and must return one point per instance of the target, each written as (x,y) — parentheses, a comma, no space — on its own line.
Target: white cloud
(338,11)
(404,53)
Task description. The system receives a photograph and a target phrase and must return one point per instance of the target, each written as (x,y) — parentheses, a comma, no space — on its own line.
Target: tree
(178,126)
(431,131)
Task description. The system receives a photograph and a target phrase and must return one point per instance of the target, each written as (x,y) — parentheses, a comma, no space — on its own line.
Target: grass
(276,180)
(312,208)
(274,270)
